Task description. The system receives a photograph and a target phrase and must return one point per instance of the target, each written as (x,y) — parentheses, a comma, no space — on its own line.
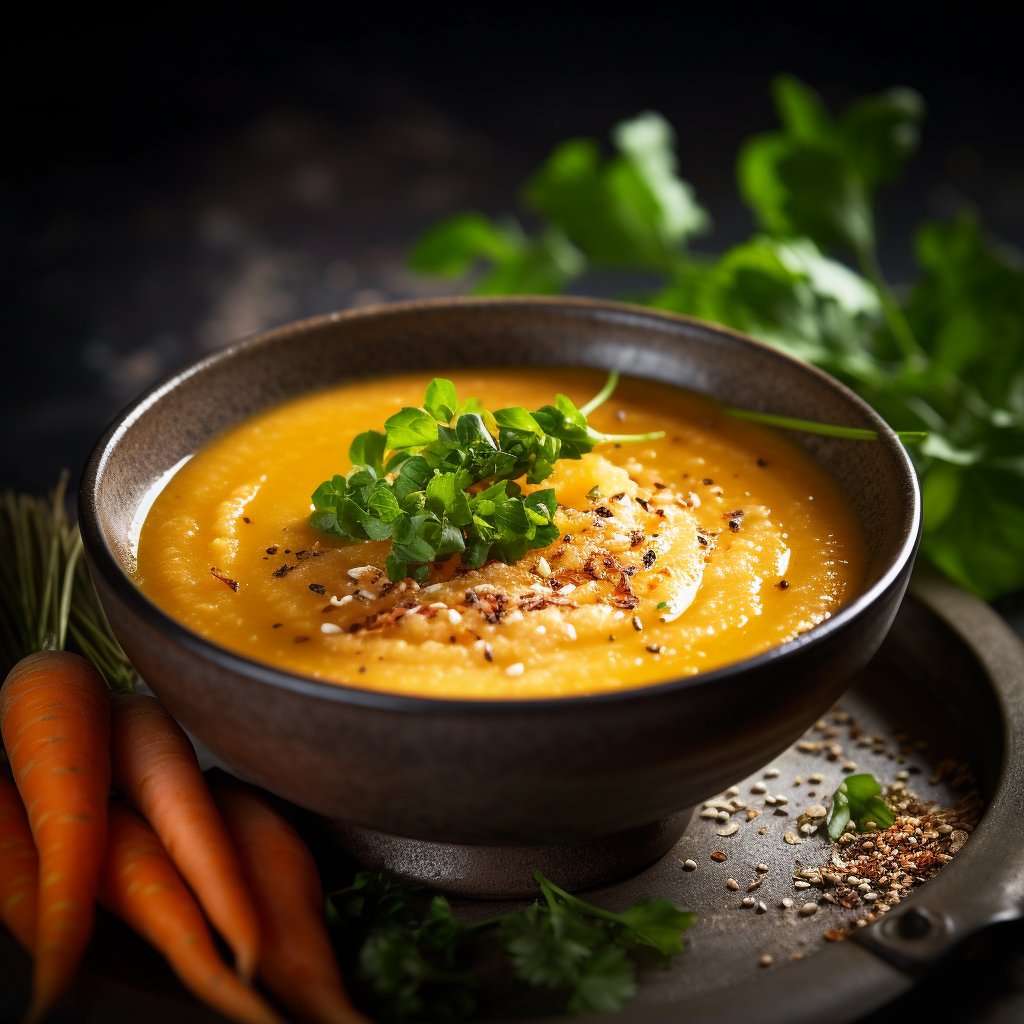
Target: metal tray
(948,683)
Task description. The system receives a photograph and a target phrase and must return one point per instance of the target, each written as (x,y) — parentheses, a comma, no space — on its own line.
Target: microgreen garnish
(416,960)
(418,482)
(858,799)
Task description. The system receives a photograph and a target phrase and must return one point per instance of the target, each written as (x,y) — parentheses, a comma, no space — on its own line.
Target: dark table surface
(167,194)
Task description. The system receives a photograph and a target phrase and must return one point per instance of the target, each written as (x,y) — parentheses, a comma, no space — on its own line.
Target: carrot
(297,962)
(139,885)
(19,868)
(55,720)
(155,767)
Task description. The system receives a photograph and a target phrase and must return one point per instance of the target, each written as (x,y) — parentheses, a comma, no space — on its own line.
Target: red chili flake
(283,571)
(224,578)
(649,558)
(488,652)
(643,504)
(245,519)
(301,639)
(276,625)
(637,624)
(318,588)
(272,550)
(654,648)
(762,462)
(603,512)
(660,485)
(707,481)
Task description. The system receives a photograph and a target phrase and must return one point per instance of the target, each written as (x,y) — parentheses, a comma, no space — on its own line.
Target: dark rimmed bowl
(503,772)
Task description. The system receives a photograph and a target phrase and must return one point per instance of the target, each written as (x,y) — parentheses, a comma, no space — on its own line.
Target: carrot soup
(650,560)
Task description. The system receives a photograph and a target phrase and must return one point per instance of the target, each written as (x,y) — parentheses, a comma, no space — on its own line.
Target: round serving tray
(946,684)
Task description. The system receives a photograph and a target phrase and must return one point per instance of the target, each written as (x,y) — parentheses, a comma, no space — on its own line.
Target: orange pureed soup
(675,556)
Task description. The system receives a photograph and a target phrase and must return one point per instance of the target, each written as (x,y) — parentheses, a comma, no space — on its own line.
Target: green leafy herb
(417,960)
(440,480)
(945,356)
(858,799)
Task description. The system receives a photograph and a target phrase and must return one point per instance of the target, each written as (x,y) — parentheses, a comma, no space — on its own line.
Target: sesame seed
(733,791)
(570,631)
(809,908)
(339,601)
(766,960)
(762,907)
(772,773)
(762,868)
(454,617)
(729,829)
(787,902)
(329,627)
(690,865)
(748,901)
(543,568)
(719,856)
(515,670)
(731,883)
(758,787)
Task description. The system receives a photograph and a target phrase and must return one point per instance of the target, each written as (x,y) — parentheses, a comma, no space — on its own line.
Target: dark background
(172,186)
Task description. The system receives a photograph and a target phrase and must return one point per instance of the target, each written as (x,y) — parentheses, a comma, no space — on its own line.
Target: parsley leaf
(415,961)
(858,799)
(420,496)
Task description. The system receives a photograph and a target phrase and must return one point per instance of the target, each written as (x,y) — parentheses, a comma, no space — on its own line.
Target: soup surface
(676,556)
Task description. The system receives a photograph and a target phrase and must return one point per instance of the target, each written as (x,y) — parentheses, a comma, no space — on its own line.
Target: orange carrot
(55,719)
(19,868)
(297,962)
(155,767)
(140,885)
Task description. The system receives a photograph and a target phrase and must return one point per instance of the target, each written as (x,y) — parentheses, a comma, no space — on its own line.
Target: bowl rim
(101,557)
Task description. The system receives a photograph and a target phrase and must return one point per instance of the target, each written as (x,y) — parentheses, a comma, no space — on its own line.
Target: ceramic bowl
(518,773)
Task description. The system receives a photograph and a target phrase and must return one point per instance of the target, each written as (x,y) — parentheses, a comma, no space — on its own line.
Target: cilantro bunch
(945,355)
(419,963)
(440,480)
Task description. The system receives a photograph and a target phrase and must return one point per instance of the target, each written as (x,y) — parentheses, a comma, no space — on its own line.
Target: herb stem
(902,333)
(603,395)
(827,429)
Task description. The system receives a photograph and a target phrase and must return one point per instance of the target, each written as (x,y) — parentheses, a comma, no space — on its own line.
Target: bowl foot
(506,872)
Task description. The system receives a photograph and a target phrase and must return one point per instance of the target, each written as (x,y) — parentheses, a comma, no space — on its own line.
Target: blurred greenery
(945,354)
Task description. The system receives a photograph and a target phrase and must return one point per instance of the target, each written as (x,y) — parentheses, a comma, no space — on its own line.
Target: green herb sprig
(858,799)
(945,356)
(418,963)
(440,480)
